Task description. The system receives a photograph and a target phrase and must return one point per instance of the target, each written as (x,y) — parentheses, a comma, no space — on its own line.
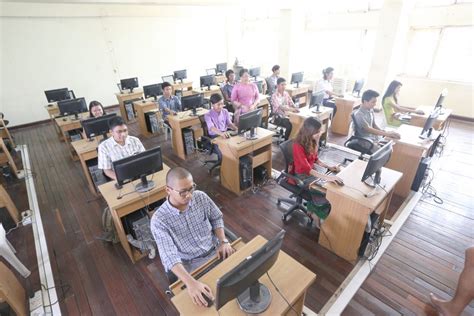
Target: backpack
(108,227)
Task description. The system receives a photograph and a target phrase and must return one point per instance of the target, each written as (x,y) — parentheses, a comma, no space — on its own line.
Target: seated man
(218,121)
(364,125)
(183,230)
(272,80)
(169,104)
(119,146)
(281,105)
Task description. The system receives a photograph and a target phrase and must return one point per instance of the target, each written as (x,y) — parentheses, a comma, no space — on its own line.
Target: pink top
(245,94)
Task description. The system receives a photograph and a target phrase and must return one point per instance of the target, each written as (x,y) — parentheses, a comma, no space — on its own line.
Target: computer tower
(188,141)
(129,109)
(372,226)
(97,175)
(152,124)
(420,173)
(246,172)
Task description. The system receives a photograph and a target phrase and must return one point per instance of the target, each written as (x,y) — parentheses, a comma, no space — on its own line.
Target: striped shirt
(279,100)
(183,236)
(109,151)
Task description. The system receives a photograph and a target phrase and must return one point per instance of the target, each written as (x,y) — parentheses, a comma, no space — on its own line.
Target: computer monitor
(207,81)
(211,71)
(97,126)
(439,103)
(254,72)
(249,122)
(138,166)
(153,90)
(242,281)
(428,127)
(434,146)
(73,106)
(169,78)
(316,100)
(180,75)
(375,164)
(130,83)
(297,77)
(358,87)
(57,95)
(221,68)
(192,102)
(259,86)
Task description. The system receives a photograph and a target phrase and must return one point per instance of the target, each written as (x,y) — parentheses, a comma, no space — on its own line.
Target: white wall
(88,48)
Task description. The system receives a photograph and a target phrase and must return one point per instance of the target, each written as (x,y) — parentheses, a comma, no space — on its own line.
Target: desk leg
(298,305)
(178,145)
(230,174)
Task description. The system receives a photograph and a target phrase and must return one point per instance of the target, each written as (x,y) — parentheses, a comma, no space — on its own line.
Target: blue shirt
(227,89)
(172,104)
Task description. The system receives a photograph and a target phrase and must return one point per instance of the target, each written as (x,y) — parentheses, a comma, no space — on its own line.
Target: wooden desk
(141,107)
(129,203)
(343,229)
(87,150)
(53,112)
(182,86)
(126,96)
(235,147)
(342,120)
(419,120)
(297,119)
(291,277)
(220,79)
(265,106)
(185,120)
(69,123)
(12,292)
(300,93)
(207,93)
(407,154)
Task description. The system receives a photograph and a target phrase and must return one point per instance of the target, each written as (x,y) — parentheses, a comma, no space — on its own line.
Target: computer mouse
(65,119)
(341,184)
(208,300)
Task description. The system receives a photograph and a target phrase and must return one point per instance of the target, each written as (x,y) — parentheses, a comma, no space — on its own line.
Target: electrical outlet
(36,304)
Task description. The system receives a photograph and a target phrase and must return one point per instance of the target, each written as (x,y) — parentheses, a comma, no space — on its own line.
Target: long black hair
(95,103)
(326,72)
(391,90)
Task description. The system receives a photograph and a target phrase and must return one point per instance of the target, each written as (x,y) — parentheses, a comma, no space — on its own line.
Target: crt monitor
(221,68)
(428,127)
(129,84)
(180,75)
(316,100)
(139,166)
(358,87)
(254,72)
(207,81)
(242,281)
(249,122)
(97,126)
(73,106)
(373,171)
(297,77)
(57,95)
(191,102)
(153,90)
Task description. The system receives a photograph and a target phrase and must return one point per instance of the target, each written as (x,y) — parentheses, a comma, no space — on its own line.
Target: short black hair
(95,103)
(177,173)
(228,73)
(280,80)
(242,71)
(275,68)
(327,71)
(369,94)
(215,97)
(165,84)
(116,121)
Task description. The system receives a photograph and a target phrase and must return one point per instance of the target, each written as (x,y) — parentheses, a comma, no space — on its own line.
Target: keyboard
(404,117)
(233,133)
(206,270)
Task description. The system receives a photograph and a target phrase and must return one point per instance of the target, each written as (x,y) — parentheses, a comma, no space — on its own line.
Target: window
(420,51)
(434,3)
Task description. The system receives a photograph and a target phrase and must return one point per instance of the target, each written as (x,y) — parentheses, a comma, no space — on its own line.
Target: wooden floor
(103,281)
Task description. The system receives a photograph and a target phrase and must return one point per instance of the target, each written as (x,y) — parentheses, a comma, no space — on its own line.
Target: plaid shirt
(186,235)
(110,151)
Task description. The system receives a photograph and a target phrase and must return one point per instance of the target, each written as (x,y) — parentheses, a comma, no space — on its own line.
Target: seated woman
(96,109)
(391,108)
(325,85)
(305,155)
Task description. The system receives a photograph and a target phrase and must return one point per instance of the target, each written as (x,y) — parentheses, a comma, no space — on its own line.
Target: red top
(302,162)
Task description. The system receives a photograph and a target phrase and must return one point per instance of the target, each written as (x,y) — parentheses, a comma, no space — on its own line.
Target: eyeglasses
(184,193)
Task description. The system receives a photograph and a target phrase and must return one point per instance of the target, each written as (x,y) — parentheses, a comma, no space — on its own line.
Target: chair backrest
(287,149)
(259,86)
(355,126)
(270,88)
(205,131)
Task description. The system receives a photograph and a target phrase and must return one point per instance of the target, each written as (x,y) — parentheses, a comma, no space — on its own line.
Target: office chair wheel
(284,219)
(278,202)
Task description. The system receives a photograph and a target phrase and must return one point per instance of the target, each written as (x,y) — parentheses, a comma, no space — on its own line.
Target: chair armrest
(298,181)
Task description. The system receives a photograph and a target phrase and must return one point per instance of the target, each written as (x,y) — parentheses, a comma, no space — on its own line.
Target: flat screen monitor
(254,72)
(221,68)
(129,84)
(153,90)
(316,100)
(249,122)
(207,81)
(242,281)
(139,166)
(297,77)
(169,78)
(97,126)
(428,127)
(358,87)
(439,103)
(192,102)
(73,106)
(373,171)
(211,71)
(180,75)
(259,86)
(57,95)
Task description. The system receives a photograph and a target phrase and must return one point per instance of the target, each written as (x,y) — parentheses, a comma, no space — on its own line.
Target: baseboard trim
(462,118)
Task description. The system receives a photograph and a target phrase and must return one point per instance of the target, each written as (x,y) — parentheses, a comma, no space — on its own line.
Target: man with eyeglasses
(119,146)
(189,231)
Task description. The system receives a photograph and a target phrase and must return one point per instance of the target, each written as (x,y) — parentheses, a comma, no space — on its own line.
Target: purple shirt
(219,120)
(246,94)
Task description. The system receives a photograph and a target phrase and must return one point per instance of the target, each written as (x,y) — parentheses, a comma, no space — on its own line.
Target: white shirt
(323,85)
(110,151)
